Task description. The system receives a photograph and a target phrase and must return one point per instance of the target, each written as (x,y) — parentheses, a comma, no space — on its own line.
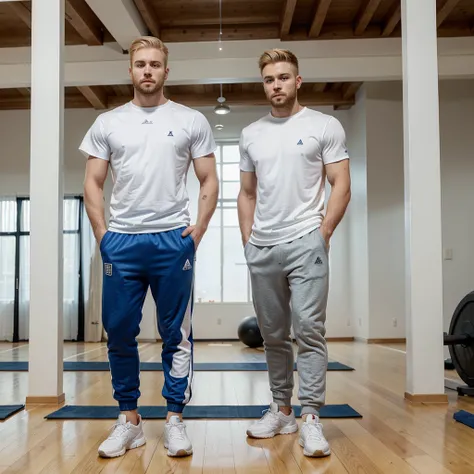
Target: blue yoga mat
(192,412)
(465,418)
(9,410)
(22,366)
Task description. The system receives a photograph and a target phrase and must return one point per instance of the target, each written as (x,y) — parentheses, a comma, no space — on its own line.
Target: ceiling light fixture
(221,109)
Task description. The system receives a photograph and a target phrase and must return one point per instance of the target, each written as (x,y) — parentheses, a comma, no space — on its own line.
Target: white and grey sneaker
(312,438)
(124,436)
(176,440)
(273,422)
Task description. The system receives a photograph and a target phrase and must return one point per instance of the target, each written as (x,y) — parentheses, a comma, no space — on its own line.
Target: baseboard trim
(428,398)
(53,400)
(340,339)
(385,340)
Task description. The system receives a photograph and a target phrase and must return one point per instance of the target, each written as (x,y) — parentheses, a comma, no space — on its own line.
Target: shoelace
(118,430)
(314,432)
(177,431)
(267,414)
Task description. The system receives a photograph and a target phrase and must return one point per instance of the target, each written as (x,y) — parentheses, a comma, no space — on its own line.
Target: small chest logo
(147,122)
(300,142)
(170,134)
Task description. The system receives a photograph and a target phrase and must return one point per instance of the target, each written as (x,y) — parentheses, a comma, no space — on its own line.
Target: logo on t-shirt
(147,122)
(170,134)
(300,142)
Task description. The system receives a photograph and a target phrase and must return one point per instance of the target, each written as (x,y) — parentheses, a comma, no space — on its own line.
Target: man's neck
(287,111)
(152,100)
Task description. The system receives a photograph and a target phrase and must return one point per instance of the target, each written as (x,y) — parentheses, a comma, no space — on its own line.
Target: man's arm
(246,203)
(339,178)
(96,174)
(206,173)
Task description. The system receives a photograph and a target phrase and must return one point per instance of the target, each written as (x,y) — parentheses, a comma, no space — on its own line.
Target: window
(221,269)
(15,269)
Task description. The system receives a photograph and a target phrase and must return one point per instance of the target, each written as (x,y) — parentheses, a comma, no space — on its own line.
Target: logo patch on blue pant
(108,269)
(187,265)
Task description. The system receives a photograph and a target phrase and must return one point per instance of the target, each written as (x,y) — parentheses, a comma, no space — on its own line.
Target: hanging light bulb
(221,109)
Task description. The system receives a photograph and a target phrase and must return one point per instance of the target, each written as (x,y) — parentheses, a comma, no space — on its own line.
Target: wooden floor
(393,436)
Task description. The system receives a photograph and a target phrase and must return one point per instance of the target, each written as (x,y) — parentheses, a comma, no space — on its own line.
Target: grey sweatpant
(290,286)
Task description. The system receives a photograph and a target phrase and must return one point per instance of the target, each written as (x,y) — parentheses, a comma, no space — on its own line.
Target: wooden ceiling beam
(96,95)
(349,89)
(287,16)
(445,11)
(149,17)
(393,20)
(24,91)
(84,21)
(365,16)
(22,10)
(211,33)
(319,18)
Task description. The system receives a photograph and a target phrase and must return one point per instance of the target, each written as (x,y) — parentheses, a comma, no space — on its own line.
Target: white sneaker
(176,440)
(273,422)
(124,435)
(312,438)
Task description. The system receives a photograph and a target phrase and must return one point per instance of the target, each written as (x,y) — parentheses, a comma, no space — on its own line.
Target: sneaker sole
(315,454)
(287,430)
(180,453)
(136,444)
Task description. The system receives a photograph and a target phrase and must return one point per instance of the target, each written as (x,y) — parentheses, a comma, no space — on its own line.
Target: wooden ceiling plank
(445,11)
(22,10)
(149,17)
(349,89)
(24,91)
(287,16)
(393,20)
(96,95)
(366,15)
(84,21)
(319,18)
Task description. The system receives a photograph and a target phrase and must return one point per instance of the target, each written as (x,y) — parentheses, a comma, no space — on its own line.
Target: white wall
(457,190)
(357,263)
(385,199)
(383,233)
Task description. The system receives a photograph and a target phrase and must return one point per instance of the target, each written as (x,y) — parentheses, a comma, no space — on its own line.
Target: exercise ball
(249,332)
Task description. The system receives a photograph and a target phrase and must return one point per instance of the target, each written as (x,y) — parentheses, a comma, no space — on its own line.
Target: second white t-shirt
(150,150)
(288,156)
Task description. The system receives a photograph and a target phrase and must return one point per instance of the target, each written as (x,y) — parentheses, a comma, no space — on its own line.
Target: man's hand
(325,234)
(197,233)
(100,235)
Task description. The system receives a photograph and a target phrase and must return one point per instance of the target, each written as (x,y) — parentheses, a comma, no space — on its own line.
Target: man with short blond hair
(149,143)
(285,158)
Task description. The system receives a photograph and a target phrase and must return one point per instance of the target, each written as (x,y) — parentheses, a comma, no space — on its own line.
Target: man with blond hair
(149,144)
(285,158)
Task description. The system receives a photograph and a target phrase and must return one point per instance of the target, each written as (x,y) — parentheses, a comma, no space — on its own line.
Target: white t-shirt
(150,150)
(288,156)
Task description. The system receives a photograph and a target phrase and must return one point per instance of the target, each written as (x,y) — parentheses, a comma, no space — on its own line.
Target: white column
(46,191)
(423,250)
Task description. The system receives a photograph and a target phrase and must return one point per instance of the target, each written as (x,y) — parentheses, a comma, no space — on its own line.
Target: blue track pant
(131,264)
